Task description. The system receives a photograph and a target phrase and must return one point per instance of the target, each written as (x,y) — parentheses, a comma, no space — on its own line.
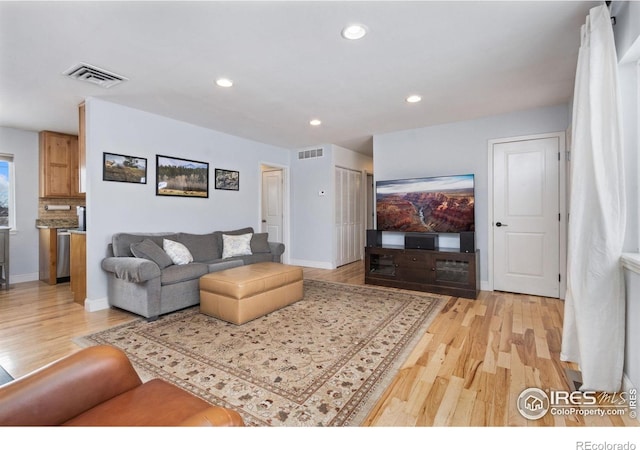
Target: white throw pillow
(233,245)
(178,253)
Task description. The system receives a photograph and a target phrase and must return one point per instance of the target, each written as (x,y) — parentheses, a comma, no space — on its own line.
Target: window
(7,192)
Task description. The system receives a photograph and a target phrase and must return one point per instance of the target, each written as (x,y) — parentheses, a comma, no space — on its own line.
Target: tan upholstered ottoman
(244,293)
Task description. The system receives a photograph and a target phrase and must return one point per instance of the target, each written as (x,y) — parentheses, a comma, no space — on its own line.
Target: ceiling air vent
(91,74)
(306,154)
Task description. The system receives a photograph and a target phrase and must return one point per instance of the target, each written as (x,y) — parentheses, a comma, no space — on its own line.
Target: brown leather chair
(98,386)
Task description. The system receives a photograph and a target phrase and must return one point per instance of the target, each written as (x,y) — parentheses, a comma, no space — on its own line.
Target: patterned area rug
(323,361)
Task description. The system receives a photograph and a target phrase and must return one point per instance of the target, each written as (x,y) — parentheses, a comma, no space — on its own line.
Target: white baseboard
(98,304)
(24,278)
(314,264)
(484,286)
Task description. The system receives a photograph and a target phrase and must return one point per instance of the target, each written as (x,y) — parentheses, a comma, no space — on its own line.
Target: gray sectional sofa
(143,278)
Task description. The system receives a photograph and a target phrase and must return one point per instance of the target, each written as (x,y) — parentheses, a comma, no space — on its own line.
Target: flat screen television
(431,205)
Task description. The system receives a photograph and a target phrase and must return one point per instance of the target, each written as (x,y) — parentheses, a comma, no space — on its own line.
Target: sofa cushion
(260,243)
(236,245)
(121,242)
(178,253)
(255,258)
(223,264)
(203,247)
(237,232)
(185,272)
(148,249)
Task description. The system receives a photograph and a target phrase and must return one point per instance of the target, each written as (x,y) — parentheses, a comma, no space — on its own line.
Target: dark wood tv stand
(444,271)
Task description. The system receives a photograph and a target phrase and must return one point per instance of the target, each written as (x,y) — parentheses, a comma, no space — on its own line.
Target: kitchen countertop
(56,223)
(69,230)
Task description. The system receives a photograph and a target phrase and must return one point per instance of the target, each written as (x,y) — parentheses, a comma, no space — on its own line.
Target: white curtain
(594,318)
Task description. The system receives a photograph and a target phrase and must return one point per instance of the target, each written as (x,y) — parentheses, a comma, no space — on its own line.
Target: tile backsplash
(70,214)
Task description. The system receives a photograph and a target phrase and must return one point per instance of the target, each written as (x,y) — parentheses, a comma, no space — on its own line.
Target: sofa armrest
(67,387)
(136,270)
(277,248)
(215,416)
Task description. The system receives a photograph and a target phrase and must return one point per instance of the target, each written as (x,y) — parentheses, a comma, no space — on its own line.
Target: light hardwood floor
(468,369)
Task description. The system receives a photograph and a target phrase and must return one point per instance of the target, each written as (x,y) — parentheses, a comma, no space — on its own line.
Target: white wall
(627,27)
(629,79)
(312,213)
(348,159)
(114,207)
(627,37)
(24,239)
(313,241)
(460,148)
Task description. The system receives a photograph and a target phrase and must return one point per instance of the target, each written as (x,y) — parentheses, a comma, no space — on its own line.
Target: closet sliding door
(349,226)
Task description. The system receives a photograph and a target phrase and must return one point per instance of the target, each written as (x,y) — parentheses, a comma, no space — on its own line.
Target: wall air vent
(92,74)
(306,154)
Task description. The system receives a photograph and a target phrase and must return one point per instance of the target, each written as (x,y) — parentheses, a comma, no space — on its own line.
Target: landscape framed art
(178,177)
(124,168)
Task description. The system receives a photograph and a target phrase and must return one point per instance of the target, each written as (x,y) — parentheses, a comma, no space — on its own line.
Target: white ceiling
(289,63)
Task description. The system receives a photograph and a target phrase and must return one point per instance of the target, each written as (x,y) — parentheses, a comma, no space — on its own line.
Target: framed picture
(124,168)
(227,179)
(181,177)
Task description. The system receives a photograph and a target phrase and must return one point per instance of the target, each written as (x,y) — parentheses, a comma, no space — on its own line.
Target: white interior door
(526,216)
(348,212)
(272,202)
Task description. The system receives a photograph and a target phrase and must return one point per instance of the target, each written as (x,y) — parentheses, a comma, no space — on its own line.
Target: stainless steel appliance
(62,266)
(82,217)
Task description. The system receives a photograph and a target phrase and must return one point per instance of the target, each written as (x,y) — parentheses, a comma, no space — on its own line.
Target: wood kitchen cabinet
(48,255)
(59,166)
(78,267)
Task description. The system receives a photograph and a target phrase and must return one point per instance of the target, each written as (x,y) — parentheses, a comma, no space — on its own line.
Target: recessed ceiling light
(224,82)
(413,99)
(354,31)
(315,122)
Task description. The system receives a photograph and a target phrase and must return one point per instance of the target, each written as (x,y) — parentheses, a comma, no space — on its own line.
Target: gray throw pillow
(259,243)
(148,249)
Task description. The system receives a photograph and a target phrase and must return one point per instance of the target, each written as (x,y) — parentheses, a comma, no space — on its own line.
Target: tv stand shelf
(445,271)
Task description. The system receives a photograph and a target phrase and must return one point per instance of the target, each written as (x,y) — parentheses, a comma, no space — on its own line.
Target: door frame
(370,201)
(286,179)
(562,202)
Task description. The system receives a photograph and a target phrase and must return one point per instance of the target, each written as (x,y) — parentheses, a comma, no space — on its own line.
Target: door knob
(500,224)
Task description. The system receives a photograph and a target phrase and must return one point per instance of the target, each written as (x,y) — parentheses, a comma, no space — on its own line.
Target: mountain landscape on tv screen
(438,211)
